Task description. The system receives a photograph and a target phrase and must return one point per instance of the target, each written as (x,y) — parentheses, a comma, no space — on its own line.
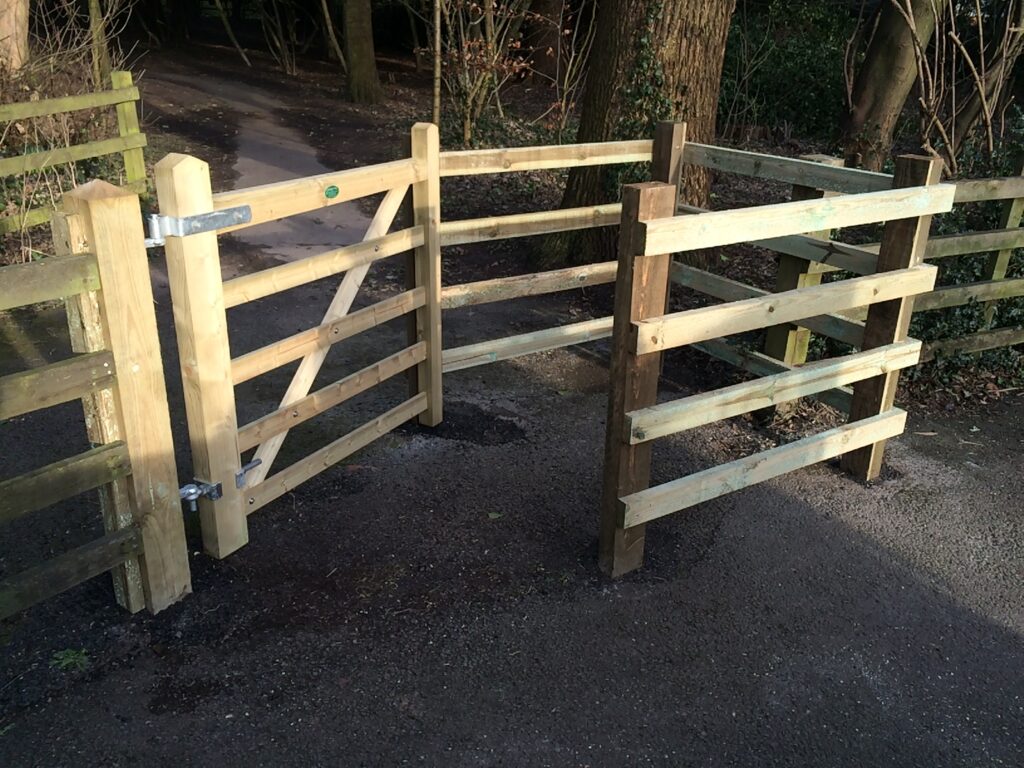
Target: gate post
(102,423)
(200,320)
(789,342)
(999,262)
(113,227)
(641,287)
(425,270)
(903,245)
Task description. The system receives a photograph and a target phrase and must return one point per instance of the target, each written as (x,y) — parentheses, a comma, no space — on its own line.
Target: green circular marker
(331,192)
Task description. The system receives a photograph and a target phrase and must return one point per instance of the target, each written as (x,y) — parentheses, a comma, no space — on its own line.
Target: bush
(784,67)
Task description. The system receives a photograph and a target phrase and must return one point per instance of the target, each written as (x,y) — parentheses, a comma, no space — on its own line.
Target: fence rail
(129,143)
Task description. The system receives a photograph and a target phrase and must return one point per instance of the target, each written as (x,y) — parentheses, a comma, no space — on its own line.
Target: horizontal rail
(62,480)
(661,500)
(27,109)
(292,477)
(283,419)
(270,202)
(298,345)
(788,169)
(697,410)
(47,280)
(25,219)
(977,190)
(833,326)
(690,326)
(831,253)
(485,352)
(958,295)
(63,572)
(975,342)
(535,284)
(464,231)
(36,161)
(719,228)
(56,383)
(943,246)
(267,282)
(471,162)
(761,364)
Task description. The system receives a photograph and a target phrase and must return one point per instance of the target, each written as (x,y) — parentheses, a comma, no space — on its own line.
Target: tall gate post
(200,320)
(425,270)
(112,222)
(788,342)
(641,287)
(903,245)
(102,422)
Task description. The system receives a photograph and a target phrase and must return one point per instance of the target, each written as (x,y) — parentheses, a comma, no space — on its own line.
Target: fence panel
(635,421)
(118,375)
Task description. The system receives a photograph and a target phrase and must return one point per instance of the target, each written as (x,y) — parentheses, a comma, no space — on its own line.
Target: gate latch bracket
(246,468)
(197,489)
(161,227)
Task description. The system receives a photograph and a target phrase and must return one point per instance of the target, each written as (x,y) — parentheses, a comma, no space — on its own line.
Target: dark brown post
(641,287)
(903,245)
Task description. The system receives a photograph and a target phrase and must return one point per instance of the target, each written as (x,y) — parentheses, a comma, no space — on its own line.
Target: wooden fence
(129,143)
(117,373)
(649,234)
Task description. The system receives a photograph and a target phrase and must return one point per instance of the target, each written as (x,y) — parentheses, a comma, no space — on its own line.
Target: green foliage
(784,67)
(70,660)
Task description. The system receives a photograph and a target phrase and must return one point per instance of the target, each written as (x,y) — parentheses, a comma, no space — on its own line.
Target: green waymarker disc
(331,192)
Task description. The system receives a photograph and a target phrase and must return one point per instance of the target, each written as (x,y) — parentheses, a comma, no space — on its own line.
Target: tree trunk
(436,43)
(652,60)
(363,81)
(885,80)
(100,48)
(13,34)
(332,38)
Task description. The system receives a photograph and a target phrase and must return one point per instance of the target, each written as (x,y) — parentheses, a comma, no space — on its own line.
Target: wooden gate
(201,299)
(650,233)
(102,273)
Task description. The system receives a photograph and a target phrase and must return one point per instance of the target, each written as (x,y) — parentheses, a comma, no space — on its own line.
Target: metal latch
(197,489)
(240,474)
(161,227)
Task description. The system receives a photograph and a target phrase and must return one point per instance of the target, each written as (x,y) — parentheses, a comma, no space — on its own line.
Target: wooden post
(128,125)
(113,227)
(640,289)
(426,269)
(193,265)
(667,154)
(788,342)
(903,245)
(999,262)
(102,422)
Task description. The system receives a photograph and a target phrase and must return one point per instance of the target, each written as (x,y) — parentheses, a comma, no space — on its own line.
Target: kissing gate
(231,483)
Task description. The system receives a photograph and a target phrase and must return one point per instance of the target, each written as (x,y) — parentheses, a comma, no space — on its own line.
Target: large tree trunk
(885,79)
(13,34)
(363,81)
(651,60)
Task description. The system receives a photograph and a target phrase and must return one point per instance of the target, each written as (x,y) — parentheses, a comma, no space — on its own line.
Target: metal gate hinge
(197,489)
(161,227)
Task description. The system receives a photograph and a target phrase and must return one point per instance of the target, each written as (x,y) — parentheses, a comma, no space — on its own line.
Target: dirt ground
(435,600)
